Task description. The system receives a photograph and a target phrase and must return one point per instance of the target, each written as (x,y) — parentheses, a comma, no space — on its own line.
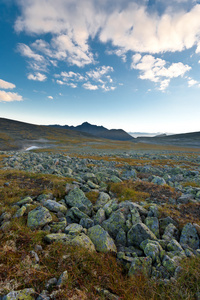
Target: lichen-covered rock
(38,217)
(141,265)
(100,216)
(58,226)
(153,224)
(171,232)
(102,200)
(173,245)
(86,222)
(55,206)
(121,237)
(138,233)
(63,279)
(82,240)
(115,222)
(189,236)
(73,229)
(57,237)
(158,180)
(101,239)
(77,198)
(26,294)
(20,212)
(135,216)
(24,201)
(164,222)
(153,249)
(169,264)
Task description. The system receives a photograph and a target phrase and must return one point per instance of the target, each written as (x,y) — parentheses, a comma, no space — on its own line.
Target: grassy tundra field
(162,181)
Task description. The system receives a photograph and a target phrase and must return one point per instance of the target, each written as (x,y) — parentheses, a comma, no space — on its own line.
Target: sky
(130,64)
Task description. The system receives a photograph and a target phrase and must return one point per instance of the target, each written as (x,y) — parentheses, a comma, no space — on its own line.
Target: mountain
(191,139)
(99,131)
(19,135)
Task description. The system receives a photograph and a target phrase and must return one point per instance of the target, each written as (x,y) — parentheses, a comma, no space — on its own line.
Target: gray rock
(101,239)
(82,240)
(86,223)
(100,216)
(73,229)
(158,180)
(63,279)
(38,217)
(141,265)
(101,201)
(55,206)
(189,236)
(76,198)
(20,212)
(57,237)
(24,201)
(115,222)
(138,233)
(153,224)
(170,232)
(121,237)
(26,294)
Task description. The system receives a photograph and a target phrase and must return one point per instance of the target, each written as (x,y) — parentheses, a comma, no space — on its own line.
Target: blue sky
(124,64)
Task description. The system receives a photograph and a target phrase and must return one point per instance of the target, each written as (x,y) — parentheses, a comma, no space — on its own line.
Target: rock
(58,226)
(73,229)
(55,206)
(101,239)
(63,279)
(164,222)
(121,237)
(51,283)
(100,216)
(115,179)
(26,294)
(56,237)
(43,296)
(86,222)
(158,180)
(171,232)
(82,240)
(76,198)
(20,212)
(173,245)
(185,198)
(135,216)
(138,233)
(38,217)
(141,265)
(189,236)
(153,224)
(153,211)
(24,201)
(153,249)
(115,222)
(106,294)
(101,201)
(169,264)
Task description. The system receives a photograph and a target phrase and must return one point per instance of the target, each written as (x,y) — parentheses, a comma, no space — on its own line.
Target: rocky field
(102,224)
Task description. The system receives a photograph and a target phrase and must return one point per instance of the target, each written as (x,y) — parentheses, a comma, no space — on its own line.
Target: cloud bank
(8,96)
(128,26)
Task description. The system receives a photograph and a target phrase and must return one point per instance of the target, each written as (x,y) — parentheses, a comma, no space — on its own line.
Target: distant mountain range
(99,131)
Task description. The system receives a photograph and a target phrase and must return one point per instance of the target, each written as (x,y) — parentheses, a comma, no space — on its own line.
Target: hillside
(17,135)
(100,131)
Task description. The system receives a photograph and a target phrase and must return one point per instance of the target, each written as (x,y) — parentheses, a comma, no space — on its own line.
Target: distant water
(32,148)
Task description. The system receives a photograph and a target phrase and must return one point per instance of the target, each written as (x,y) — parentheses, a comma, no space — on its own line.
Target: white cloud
(37,77)
(73,85)
(50,97)
(89,86)
(6,85)
(26,51)
(155,69)
(192,82)
(9,97)
(60,82)
(98,73)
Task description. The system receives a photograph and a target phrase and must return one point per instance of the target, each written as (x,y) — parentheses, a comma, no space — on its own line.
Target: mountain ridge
(99,131)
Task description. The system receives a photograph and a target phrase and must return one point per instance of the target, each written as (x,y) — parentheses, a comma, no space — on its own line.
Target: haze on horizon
(121,64)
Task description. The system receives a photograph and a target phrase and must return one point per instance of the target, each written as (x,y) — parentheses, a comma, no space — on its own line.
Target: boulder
(153,224)
(141,265)
(77,198)
(55,206)
(101,239)
(138,233)
(189,236)
(26,294)
(38,217)
(115,222)
(82,240)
